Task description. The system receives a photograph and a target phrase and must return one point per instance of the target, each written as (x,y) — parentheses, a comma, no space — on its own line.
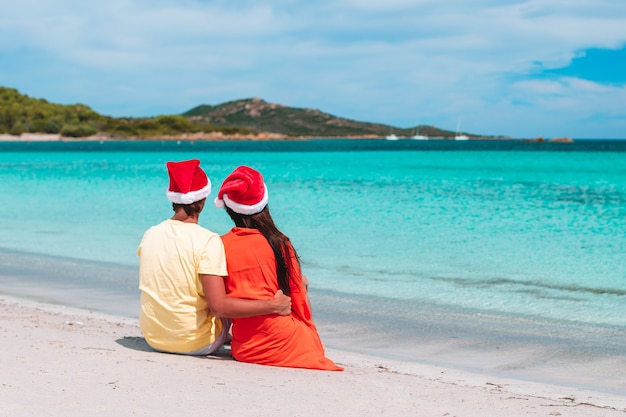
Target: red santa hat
(188,182)
(243,191)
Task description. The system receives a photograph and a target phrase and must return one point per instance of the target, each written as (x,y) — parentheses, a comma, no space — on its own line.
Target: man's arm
(224,306)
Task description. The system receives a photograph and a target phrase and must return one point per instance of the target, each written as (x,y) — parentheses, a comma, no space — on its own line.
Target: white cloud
(394,62)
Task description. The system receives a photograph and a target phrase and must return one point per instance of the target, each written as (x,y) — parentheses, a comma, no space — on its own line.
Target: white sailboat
(391,136)
(417,135)
(460,136)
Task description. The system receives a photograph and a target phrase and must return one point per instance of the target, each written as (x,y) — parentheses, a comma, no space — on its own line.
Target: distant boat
(417,135)
(460,136)
(391,136)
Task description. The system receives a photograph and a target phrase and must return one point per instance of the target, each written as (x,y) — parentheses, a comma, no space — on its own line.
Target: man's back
(174,314)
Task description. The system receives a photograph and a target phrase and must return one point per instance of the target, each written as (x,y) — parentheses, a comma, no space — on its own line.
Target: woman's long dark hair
(283,250)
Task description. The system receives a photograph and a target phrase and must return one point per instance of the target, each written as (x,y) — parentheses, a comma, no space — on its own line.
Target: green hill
(22,114)
(256,114)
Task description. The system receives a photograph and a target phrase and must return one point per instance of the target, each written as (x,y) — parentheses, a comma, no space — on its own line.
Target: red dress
(290,341)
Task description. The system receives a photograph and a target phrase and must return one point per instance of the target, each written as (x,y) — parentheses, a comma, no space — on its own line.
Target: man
(181,275)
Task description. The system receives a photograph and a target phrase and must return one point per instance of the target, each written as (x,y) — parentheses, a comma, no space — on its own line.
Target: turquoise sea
(490,255)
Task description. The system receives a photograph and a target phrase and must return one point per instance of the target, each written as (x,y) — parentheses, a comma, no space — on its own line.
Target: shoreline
(567,354)
(62,361)
(259,137)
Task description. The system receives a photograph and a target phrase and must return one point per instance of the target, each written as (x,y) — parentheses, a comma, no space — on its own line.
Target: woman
(261,260)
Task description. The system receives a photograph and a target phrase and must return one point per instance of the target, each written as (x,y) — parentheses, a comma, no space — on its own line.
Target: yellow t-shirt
(174,315)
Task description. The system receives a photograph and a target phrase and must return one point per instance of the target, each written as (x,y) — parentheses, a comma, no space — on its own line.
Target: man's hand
(282,303)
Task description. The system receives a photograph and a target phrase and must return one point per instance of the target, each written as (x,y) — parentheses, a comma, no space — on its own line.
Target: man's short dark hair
(190,209)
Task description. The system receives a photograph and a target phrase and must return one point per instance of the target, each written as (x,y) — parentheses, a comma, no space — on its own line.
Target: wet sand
(62,361)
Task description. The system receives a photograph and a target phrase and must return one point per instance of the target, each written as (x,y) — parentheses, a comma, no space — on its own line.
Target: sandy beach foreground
(60,361)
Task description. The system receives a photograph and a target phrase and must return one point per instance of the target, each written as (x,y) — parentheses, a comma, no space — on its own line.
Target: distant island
(26,118)
(258,115)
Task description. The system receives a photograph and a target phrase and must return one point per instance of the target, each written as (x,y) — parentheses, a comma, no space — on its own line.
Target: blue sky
(524,69)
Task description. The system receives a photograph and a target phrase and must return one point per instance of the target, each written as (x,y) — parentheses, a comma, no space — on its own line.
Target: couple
(186,272)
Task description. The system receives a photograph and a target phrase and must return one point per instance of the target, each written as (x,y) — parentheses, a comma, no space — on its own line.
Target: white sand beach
(199,136)
(30,137)
(60,361)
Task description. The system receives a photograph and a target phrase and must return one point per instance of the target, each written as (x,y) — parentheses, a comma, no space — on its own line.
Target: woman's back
(290,341)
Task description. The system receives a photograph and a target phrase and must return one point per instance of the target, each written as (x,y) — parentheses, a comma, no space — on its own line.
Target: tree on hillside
(22,114)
